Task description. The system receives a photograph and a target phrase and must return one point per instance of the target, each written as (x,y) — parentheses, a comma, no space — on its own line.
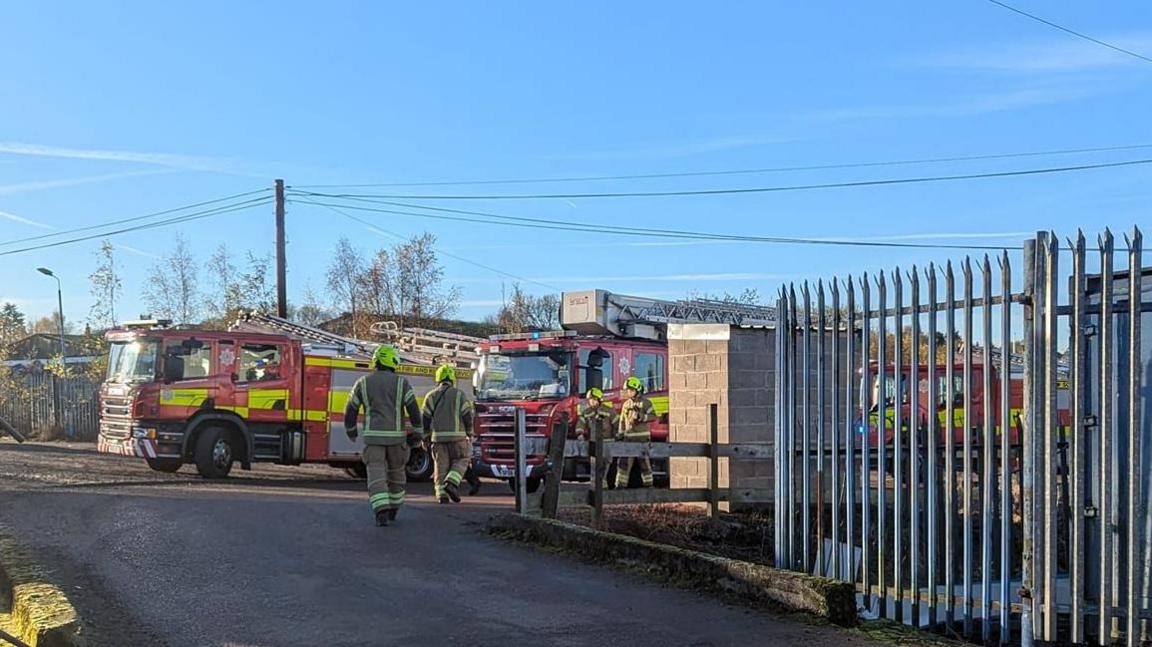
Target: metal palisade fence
(972,446)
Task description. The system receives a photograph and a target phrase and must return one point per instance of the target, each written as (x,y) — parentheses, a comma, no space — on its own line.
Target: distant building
(35,351)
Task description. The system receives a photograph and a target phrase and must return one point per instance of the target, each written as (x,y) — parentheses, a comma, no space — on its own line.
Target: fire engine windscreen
(525,377)
(133,361)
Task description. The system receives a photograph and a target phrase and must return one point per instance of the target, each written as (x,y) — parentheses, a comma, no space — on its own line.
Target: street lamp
(60,305)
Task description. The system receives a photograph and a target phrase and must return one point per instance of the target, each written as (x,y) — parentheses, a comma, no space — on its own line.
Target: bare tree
(525,312)
(223,297)
(312,312)
(378,285)
(256,287)
(171,289)
(747,297)
(105,288)
(48,324)
(420,281)
(345,278)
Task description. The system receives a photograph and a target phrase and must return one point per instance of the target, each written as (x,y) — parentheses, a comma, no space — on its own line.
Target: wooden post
(714,457)
(281,261)
(551,501)
(521,479)
(600,460)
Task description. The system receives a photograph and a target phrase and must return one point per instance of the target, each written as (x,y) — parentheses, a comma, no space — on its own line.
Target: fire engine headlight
(142,432)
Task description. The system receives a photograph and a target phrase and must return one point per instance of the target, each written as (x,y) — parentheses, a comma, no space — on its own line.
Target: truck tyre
(166,465)
(420,467)
(215,452)
(357,471)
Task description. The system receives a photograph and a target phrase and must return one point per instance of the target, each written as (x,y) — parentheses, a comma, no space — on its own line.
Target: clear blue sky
(114,112)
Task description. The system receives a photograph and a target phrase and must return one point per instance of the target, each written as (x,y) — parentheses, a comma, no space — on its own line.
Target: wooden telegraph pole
(281,262)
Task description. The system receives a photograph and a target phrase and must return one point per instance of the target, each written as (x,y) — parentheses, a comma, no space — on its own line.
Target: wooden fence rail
(602,454)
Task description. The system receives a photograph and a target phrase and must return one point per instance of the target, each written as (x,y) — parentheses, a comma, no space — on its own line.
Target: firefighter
(385,397)
(635,414)
(447,419)
(596,420)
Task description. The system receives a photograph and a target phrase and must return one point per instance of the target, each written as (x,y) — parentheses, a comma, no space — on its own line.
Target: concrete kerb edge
(33,609)
(755,584)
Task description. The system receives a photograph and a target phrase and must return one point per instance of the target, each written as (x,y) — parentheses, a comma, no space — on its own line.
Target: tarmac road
(290,556)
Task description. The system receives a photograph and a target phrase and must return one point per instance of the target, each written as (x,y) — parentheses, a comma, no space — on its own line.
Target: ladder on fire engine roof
(430,346)
(600,312)
(317,339)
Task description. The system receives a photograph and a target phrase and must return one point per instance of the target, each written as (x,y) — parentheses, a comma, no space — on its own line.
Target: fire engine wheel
(357,471)
(167,465)
(215,453)
(420,467)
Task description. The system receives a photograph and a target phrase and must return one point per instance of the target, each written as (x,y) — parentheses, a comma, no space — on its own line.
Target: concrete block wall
(736,369)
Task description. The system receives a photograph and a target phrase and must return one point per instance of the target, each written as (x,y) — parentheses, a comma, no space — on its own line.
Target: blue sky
(113,111)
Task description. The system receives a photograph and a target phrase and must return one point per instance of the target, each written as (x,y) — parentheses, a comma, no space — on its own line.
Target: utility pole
(281,262)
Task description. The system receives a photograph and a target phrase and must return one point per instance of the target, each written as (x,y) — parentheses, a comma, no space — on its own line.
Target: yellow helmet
(386,356)
(446,373)
(635,384)
(594,393)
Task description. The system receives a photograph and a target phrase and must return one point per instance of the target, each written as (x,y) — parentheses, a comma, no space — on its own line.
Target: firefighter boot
(382,517)
(453,492)
(392,512)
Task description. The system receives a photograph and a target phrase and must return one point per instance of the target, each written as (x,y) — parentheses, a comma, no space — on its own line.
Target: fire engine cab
(605,339)
(267,390)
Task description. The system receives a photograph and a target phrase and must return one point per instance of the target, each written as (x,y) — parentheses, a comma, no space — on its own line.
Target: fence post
(551,502)
(1027,476)
(521,463)
(597,451)
(714,457)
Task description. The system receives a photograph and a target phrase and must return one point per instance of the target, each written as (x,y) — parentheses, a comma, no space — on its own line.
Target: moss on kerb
(752,583)
(31,608)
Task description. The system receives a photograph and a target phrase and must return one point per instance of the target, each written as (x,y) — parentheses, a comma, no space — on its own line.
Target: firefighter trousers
(386,475)
(624,468)
(451,460)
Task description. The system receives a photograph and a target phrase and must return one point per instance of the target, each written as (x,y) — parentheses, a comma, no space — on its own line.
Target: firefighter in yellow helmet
(635,414)
(447,418)
(596,420)
(385,397)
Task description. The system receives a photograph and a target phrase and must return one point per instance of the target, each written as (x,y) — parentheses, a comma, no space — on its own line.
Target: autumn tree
(525,312)
(105,287)
(171,289)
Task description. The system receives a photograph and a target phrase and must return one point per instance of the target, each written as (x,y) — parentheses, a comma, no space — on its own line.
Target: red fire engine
(605,339)
(268,390)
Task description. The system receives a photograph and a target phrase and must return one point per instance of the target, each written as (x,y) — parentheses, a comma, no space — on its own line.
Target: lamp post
(60,307)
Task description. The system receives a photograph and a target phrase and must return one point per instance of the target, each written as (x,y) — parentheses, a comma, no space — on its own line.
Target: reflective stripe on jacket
(385,397)
(447,414)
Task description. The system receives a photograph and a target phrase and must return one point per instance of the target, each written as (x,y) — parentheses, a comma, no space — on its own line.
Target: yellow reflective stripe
(240,411)
(337,363)
(314,415)
(266,398)
(399,402)
(363,364)
(660,404)
(337,401)
(364,403)
(183,397)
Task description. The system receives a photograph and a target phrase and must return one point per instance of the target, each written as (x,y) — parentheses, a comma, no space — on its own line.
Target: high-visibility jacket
(385,397)
(447,414)
(601,419)
(635,414)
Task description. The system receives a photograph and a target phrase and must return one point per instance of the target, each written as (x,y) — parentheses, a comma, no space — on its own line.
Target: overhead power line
(560,225)
(1072,31)
(763,189)
(154,214)
(750,171)
(217,211)
(377,227)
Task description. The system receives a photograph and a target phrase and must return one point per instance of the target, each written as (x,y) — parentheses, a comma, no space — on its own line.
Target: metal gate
(972,446)
(36,402)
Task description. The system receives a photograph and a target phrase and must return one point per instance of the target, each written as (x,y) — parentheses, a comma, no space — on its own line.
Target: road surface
(290,556)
